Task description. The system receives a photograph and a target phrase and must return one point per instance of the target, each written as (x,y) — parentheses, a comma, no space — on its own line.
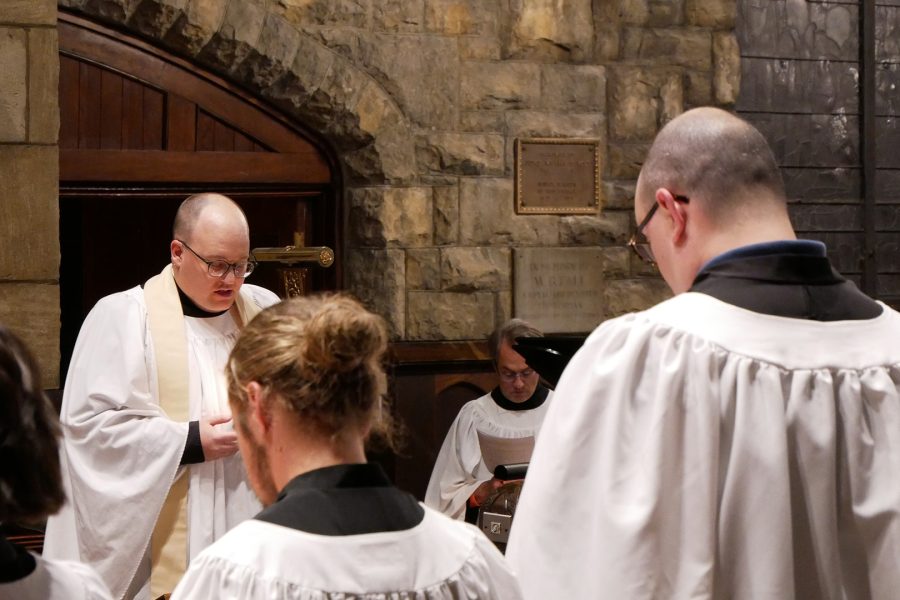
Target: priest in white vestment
(306,382)
(148,453)
(463,477)
(739,441)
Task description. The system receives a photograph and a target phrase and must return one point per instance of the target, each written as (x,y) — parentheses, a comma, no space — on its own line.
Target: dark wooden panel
(844,249)
(887,252)
(154,119)
(407,354)
(798,30)
(887,186)
(887,140)
(132,115)
(89,91)
(224,138)
(823,185)
(889,285)
(110,110)
(808,87)
(826,217)
(887,218)
(181,124)
(887,33)
(810,140)
(887,89)
(242,143)
(206,132)
(161,166)
(68,102)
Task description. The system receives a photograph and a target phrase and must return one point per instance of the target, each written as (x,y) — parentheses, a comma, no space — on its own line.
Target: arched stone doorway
(141,130)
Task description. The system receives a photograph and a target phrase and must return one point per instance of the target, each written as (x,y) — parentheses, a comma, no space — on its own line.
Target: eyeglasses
(638,241)
(511,376)
(220,268)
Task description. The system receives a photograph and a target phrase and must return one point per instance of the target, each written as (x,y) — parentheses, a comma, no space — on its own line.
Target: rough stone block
(573,87)
(665,13)
(154,18)
(552,29)
(641,100)
(423,269)
(196,25)
(475,269)
(503,308)
(460,17)
(482,121)
(496,86)
(634,12)
(313,65)
(378,279)
(625,159)
(607,43)
(237,35)
(343,13)
(331,106)
(446,215)
(398,16)
(273,54)
(29,213)
(527,123)
(391,217)
(43,86)
(688,48)
(479,48)
(408,65)
(487,217)
(390,158)
(698,88)
(117,11)
(618,194)
(14,90)
(718,14)
(727,68)
(28,12)
(450,315)
(630,295)
(608,228)
(31,311)
(461,153)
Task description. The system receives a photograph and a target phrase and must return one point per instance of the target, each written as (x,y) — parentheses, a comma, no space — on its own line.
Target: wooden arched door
(139,131)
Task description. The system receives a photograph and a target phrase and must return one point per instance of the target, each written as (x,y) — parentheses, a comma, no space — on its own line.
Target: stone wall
(422,101)
(29,166)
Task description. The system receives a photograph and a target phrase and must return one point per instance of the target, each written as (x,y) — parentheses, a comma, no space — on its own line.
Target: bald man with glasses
(149,453)
(462,479)
(740,440)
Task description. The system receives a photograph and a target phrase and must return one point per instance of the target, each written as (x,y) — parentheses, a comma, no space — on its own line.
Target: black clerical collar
(190,309)
(15,562)
(338,476)
(537,398)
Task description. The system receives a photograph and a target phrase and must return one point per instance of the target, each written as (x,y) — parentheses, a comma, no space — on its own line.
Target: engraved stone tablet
(559,290)
(557,176)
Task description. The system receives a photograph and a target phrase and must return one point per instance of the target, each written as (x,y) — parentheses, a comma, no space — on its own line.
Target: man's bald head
(208,206)
(717,159)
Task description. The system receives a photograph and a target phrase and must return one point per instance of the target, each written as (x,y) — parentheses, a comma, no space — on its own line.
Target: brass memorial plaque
(557,175)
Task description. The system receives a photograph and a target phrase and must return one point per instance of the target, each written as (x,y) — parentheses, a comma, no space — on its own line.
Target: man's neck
(302,450)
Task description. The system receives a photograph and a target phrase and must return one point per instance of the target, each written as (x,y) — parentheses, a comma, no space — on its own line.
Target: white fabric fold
(459,468)
(699,450)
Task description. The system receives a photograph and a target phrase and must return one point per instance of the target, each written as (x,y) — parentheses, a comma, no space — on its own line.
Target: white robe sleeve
(120,453)
(459,469)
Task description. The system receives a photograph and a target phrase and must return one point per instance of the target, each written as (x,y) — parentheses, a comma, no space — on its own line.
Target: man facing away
(740,440)
(148,454)
(514,410)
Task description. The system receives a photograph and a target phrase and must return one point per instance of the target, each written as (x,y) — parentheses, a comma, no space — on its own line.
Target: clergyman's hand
(483,491)
(217,442)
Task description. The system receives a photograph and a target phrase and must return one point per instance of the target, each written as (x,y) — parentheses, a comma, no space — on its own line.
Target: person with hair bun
(30,483)
(306,387)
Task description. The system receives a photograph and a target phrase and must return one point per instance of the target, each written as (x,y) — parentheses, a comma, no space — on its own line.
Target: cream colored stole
(168,545)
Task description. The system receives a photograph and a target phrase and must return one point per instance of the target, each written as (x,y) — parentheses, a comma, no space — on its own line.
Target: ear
(677,212)
(176,250)
(258,408)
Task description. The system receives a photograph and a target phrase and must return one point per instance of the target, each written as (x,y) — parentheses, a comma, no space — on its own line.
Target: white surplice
(700,450)
(438,559)
(459,468)
(56,580)
(120,452)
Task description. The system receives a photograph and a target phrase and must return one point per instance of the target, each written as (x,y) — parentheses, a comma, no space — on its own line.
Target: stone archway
(261,51)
